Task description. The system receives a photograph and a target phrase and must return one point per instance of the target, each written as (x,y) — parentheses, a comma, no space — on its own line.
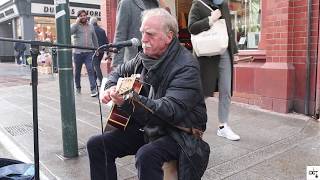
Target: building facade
(35,20)
(279,50)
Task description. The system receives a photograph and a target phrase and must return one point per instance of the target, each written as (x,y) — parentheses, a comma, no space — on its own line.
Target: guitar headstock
(125,85)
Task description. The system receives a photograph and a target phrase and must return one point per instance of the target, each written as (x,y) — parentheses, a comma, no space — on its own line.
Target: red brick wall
(277,27)
(108,17)
(279,83)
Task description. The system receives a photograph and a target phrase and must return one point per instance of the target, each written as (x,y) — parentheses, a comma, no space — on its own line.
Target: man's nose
(144,38)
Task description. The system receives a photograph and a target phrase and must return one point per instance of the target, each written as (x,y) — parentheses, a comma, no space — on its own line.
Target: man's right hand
(78,20)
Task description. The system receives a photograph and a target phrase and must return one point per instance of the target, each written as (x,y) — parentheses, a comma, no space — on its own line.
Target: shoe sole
(219,134)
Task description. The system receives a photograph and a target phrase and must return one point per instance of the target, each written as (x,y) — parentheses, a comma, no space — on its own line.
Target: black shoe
(94,93)
(78,90)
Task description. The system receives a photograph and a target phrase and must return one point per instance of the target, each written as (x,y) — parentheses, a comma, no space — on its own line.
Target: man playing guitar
(167,117)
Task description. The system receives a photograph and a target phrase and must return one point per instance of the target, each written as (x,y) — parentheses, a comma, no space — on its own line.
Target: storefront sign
(48,9)
(2,2)
(8,13)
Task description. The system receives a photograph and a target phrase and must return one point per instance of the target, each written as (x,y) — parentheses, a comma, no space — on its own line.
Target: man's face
(154,40)
(83,18)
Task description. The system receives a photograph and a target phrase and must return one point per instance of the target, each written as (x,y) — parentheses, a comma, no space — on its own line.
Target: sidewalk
(272,146)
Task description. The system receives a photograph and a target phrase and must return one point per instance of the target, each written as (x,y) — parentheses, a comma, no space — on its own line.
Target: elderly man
(168,121)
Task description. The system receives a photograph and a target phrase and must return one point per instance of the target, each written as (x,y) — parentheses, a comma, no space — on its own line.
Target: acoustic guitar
(117,117)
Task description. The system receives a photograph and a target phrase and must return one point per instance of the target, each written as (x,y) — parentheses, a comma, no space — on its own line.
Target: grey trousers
(224,87)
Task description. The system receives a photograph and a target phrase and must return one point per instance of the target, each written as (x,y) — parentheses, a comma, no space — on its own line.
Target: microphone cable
(97,88)
(100,109)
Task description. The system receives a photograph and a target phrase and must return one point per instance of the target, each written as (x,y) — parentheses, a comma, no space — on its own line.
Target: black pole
(34,82)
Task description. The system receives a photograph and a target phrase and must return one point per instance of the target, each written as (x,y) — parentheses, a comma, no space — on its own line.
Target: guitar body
(117,117)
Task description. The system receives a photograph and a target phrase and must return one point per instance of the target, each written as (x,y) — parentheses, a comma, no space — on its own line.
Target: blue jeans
(21,55)
(104,149)
(85,58)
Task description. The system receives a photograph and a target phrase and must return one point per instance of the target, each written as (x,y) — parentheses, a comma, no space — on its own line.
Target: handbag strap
(206,5)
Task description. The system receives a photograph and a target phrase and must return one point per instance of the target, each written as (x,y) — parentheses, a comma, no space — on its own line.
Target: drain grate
(19,130)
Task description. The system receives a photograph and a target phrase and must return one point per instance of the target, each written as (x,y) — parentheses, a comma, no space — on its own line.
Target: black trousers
(104,149)
(97,68)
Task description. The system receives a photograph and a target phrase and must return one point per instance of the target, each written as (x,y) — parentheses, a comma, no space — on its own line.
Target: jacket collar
(156,72)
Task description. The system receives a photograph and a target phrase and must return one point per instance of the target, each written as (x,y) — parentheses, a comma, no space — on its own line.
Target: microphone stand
(34,83)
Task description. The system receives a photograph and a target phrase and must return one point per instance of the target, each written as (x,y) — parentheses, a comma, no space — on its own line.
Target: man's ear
(170,36)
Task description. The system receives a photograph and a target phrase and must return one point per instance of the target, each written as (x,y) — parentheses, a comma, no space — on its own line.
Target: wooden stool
(170,170)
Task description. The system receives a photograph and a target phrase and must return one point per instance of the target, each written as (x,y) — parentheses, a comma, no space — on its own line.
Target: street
(272,146)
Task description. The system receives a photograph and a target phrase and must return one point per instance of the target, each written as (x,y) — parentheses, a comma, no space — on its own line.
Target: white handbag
(213,41)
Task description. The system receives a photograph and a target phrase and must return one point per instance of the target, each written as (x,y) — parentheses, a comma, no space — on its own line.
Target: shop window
(246,22)
(45,28)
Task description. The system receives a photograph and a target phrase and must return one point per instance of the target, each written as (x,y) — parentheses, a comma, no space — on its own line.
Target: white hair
(93,20)
(169,22)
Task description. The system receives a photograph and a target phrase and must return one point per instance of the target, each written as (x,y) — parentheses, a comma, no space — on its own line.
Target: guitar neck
(144,106)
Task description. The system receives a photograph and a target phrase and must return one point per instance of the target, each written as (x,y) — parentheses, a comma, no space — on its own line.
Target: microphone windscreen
(135,42)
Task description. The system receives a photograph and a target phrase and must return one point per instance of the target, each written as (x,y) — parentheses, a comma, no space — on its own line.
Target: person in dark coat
(20,48)
(168,121)
(102,40)
(127,26)
(216,70)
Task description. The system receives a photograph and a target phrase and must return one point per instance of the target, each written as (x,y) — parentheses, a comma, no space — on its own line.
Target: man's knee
(145,155)
(94,142)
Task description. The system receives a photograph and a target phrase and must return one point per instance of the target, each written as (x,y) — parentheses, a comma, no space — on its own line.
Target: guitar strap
(194,131)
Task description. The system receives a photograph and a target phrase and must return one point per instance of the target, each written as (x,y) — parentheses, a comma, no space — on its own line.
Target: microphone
(121,44)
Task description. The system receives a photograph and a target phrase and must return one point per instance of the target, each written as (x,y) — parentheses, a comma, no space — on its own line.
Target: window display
(45,28)
(246,22)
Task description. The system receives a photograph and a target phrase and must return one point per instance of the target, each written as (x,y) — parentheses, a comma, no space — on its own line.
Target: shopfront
(34,20)
(8,11)
(278,38)
(44,21)
(246,17)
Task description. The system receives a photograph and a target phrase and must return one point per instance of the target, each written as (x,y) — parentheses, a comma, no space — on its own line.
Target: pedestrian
(170,104)
(127,26)
(20,47)
(219,68)
(84,35)
(102,40)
